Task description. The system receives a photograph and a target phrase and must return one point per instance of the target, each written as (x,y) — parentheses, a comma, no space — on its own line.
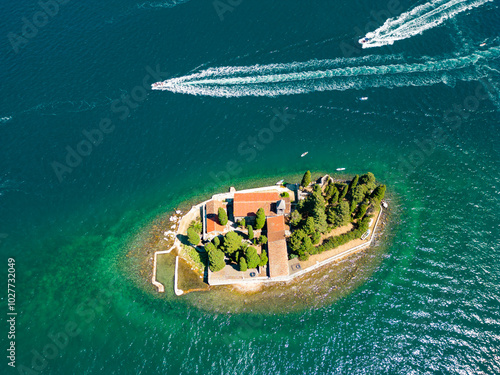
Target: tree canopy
(368,179)
(243,264)
(378,194)
(250,232)
(193,237)
(260,220)
(306,180)
(215,259)
(342,214)
(252,258)
(222,216)
(232,242)
(301,244)
(263,258)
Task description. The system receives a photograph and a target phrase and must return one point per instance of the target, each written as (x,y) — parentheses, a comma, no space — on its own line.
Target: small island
(275,233)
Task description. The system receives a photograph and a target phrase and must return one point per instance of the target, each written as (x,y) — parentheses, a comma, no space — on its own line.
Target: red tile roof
(247,204)
(275,224)
(212,208)
(278,258)
(261,196)
(276,246)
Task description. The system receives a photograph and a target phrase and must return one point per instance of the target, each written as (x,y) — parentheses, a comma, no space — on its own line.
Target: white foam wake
(418,20)
(326,75)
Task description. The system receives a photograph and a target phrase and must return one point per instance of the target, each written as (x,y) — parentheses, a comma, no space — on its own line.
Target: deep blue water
(432,306)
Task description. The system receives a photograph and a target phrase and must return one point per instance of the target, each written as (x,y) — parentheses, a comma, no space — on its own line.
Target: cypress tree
(232,242)
(320,220)
(368,179)
(222,216)
(243,264)
(260,220)
(262,239)
(263,258)
(295,218)
(193,237)
(309,227)
(378,194)
(252,257)
(354,183)
(343,192)
(362,211)
(342,214)
(216,259)
(250,232)
(216,241)
(306,180)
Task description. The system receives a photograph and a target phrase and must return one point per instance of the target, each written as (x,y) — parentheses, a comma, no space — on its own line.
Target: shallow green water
(429,306)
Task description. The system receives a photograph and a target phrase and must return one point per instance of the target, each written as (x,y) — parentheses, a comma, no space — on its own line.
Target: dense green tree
(316,236)
(306,180)
(263,258)
(216,241)
(210,247)
(262,239)
(301,244)
(222,214)
(250,232)
(320,223)
(331,193)
(309,226)
(285,194)
(331,214)
(243,264)
(368,179)
(354,183)
(260,220)
(378,194)
(342,191)
(342,214)
(359,192)
(361,211)
(215,259)
(252,257)
(232,242)
(295,218)
(193,237)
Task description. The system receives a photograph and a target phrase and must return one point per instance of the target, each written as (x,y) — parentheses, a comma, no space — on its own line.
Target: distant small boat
(364,98)
(366,38)
(304,154)
(340,169)
(280,182)
(482,44)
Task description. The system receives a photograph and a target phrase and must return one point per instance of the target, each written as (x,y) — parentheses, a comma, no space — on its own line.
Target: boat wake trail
(327,75)
(417,20)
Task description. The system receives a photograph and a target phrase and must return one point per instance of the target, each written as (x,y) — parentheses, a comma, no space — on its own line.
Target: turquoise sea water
(431,134)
